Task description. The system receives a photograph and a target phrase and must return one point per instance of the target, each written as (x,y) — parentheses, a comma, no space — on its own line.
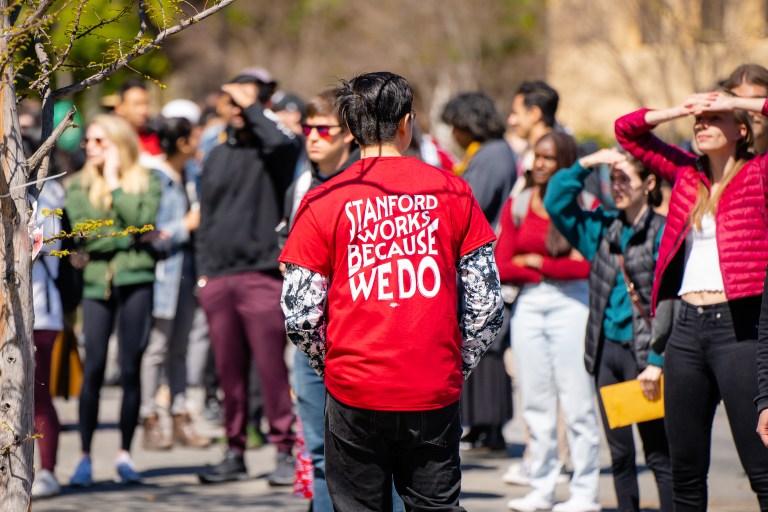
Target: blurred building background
(606,57)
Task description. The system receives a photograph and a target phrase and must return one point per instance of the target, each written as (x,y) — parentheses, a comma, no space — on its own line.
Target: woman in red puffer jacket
(713,255)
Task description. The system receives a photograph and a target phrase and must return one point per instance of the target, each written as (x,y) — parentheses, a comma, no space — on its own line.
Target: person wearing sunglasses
(117,277)
(243,184)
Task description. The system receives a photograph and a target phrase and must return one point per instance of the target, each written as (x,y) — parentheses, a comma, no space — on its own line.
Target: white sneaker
(531,502)
(518,473)
(577,504)
(45,485)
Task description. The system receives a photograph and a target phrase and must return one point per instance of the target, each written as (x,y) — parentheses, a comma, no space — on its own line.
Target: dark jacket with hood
(242,189)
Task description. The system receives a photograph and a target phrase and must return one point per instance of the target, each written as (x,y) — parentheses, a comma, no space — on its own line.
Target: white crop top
(702,260)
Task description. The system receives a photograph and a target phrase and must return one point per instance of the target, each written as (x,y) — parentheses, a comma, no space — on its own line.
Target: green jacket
(115,261)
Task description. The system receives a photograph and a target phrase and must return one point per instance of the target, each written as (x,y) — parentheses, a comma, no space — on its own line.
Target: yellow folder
(625,404)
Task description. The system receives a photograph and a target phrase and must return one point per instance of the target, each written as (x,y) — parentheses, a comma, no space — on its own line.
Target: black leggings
(710,356)
(618,364)
(132,307)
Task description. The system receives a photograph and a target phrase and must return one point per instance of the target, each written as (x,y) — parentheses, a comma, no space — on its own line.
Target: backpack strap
(633,292)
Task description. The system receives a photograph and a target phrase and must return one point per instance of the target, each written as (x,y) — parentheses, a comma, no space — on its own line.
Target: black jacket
(241,201)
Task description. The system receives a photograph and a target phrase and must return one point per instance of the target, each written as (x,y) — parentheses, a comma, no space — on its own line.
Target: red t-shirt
(388,233)
(531,237)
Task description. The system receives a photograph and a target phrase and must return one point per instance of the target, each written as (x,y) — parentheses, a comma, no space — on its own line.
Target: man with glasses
(243,184)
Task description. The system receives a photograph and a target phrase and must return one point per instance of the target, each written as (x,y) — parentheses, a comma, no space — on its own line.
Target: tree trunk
(16,316)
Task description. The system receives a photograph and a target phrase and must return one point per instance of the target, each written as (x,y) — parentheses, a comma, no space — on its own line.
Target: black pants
(366,450)
(132,307)
(617,364)
(710,356)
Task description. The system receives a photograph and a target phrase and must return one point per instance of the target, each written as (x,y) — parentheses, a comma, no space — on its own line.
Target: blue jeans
(309,389)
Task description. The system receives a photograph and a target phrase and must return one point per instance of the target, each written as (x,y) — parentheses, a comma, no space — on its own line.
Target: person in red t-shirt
(370,296)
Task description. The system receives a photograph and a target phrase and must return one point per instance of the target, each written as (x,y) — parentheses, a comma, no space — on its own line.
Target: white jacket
(45,294)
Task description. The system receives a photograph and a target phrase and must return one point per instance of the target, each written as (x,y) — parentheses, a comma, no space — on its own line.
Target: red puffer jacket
(741,218)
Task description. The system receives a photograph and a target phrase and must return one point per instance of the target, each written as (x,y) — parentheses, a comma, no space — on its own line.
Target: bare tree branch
(36,159)
(46,73)
(35,15)
(140,50)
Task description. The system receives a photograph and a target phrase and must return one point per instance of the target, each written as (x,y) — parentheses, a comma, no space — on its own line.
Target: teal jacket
(115,261)
(585,229)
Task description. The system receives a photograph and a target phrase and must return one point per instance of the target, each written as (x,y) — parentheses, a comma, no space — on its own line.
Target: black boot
(231,469)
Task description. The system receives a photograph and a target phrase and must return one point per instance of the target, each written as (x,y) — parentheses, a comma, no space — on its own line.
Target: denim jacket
(175,256)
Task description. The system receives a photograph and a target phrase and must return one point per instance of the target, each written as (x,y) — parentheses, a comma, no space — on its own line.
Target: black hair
(132,83)
(654,196)
(476,114)
(566,153)
(542,95)
(170,131)
(372,105)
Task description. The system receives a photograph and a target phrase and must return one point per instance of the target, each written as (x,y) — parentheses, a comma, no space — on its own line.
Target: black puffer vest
(640,264)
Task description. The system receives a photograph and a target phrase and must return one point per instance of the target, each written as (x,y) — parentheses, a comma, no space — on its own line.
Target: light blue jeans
(548,329)
(309,389)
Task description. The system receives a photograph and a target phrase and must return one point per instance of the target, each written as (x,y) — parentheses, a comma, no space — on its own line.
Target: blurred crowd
(195,302)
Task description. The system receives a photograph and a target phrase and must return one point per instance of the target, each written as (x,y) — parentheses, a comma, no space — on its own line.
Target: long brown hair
(566,153)
(706,204)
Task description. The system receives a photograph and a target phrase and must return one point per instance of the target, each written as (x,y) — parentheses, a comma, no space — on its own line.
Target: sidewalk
(171,483)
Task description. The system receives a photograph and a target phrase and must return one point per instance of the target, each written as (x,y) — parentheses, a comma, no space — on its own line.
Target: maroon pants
(46,419)
(245,322)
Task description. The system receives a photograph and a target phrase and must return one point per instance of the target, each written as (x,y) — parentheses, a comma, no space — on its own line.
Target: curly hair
(476,114)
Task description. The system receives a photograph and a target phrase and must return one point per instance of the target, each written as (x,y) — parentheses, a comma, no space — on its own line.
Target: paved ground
(171,484)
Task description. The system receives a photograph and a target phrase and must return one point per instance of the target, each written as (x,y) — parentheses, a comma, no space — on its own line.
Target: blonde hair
(134,179)
(706,204)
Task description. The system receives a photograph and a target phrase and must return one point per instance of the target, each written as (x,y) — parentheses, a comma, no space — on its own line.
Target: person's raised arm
(633,132)
(582,228)
(276,139)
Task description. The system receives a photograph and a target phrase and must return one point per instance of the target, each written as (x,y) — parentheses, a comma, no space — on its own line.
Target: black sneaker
(231,469)
(284,472)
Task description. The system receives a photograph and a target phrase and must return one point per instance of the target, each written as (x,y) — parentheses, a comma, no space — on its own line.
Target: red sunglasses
(323,130)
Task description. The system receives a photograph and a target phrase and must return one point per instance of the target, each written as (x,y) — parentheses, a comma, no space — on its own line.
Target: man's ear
(348,137)
(535,111)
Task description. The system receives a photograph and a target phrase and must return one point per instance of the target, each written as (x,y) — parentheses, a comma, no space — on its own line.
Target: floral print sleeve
(484,311)
(303,301)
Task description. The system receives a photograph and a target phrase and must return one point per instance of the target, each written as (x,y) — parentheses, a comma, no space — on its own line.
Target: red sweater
(741,217)
(530,237)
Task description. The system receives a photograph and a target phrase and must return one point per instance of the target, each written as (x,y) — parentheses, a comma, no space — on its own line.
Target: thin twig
(139,51)
(62,58)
